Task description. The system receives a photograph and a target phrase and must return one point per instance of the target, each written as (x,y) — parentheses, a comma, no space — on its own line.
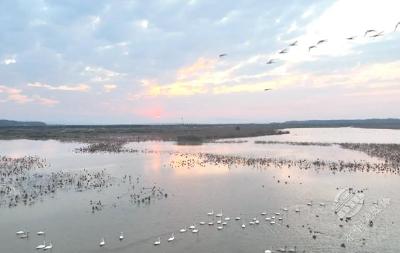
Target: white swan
(220,227)
(49,246)
(41,246)
(263,213)
(202,223)
(219,214)
(195,230)
(102,242)
(121,236)
(158,242)
(243,226)
(192,227)
(211,223)
(20,232)
(171,238)
(210,213)
(40,233)
(183,230)
(237,218)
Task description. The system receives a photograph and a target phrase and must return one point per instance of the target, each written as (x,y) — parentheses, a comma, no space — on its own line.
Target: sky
(135,62)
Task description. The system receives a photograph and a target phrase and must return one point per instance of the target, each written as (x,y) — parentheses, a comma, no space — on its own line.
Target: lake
(195,188)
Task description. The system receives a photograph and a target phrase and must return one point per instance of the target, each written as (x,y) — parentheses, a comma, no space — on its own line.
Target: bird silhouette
(377,34)
(222,55)
(369,31)
(283,51)
(351,38)
(311,47)
(321,41)
(395,28)
(293,44)
(267,89)
(271,61)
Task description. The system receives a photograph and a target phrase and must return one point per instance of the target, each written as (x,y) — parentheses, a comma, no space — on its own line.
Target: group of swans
(103,241)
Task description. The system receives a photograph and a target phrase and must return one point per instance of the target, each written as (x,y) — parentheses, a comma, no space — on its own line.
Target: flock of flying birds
(370,32)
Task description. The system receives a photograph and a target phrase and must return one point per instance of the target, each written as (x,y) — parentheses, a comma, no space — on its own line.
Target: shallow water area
(194,190)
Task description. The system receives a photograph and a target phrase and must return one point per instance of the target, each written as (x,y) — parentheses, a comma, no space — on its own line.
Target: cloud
(45,101)
(17,96)
(109,87)
(9,60)
(77,87)
(143,24)
(99,74)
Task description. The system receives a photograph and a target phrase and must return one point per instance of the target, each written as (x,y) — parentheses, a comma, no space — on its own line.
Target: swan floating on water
(41,246)
(158,242)
(220,227)
(121,236)
(20,232)
(49,246)
(243,226)
(210,213)
(192,227)
(171,238)
(202,223)
(267,251)
(102,242)
(40,233)
(183,230)
(237,218)
(195,230)
(219,214)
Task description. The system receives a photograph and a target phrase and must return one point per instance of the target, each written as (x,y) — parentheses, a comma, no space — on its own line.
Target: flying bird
(369,31)
(293,44)
(321,41)
(351,38)
(396,27)
(222,55)
(311,47)
(271,61)
(267,89)
(377,34)
(283,51)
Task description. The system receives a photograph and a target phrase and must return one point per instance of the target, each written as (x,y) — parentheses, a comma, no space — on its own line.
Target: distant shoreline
(182,133)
